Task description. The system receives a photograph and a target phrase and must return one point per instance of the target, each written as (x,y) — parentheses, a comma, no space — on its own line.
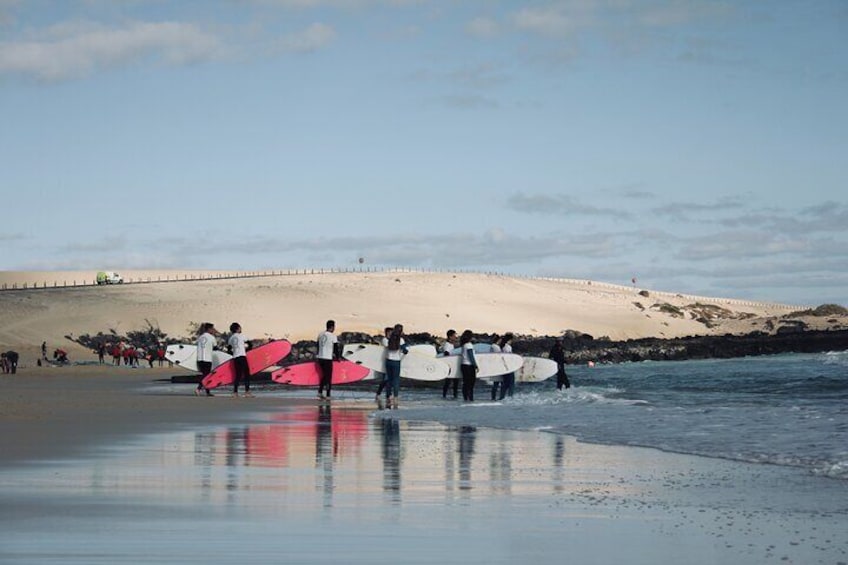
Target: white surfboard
(489,364)
(423,349)
(412,366)
(184,355)
(536,369)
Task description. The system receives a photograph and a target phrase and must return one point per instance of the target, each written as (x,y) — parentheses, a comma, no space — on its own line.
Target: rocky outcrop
(789,339)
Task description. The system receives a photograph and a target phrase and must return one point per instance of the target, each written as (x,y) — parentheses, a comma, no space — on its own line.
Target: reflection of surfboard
(185,355)
(413,365)
(258,358)
(309,374)
(490,364)
(536,369)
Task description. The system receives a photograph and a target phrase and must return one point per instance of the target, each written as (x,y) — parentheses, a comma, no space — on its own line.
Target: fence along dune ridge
(225,275)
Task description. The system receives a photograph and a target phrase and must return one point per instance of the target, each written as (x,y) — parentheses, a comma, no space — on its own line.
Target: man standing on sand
(205,346)
(327,351)
(239,347)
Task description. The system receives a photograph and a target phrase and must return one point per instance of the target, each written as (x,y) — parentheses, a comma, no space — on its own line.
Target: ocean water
(787,410)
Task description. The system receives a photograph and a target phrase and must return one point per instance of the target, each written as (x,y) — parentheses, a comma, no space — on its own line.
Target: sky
(695,146)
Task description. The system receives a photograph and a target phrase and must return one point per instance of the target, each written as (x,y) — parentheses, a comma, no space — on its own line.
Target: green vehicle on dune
(108,277)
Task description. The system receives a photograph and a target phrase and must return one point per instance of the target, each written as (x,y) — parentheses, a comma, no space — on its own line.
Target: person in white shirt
(395,350)
(448,348)
(205,346)
(327,351)
(238,344)
(468,366)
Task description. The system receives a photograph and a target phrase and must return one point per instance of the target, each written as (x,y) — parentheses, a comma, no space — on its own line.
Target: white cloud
(313,38)
(552,21)
(77,49)
(559,204)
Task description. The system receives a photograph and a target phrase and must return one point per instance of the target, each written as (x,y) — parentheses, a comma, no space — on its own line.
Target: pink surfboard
(258,358)
(308,374)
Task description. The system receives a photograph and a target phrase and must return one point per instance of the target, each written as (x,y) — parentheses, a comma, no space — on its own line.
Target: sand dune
(295,306)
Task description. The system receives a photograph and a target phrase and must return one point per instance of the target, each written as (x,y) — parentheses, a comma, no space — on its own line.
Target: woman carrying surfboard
(239,346)
(395,351)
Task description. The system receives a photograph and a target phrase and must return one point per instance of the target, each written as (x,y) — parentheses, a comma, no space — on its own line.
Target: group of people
(329,350)
(130,355)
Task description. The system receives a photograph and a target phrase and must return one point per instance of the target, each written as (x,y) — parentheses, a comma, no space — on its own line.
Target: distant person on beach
(508,384)
(558,354)
(160,353)
(11,362)
(44,350)
(116,354)
(395,351)
(468,365)
(101,352)
(494,347)
(205,347)
(239,346)
(327,352)
(4,363)
(60,356)
(448,348)
(387,331)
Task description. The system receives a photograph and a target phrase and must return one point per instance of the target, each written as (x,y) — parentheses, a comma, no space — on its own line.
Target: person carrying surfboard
(508,385)
(395,351)
(242,370)
(468,365)
(205,347)
(387,331)
(446,350)
(327,351)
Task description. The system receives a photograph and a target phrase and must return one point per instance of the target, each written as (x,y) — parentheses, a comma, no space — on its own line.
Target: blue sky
(701,147)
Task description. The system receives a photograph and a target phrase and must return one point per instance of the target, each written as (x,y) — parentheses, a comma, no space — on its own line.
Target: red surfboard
(308,374)
(258,358)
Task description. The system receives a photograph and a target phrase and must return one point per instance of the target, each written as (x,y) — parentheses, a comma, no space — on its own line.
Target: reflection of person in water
(325,451)
(390,429)
(467,435)
(324,433)
(559,460)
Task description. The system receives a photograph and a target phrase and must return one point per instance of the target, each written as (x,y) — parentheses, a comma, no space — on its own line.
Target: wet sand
(101,465)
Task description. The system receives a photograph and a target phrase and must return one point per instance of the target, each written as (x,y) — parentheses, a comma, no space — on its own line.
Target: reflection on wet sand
(391,455)
(340,454)
(467,435)
(341,448)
